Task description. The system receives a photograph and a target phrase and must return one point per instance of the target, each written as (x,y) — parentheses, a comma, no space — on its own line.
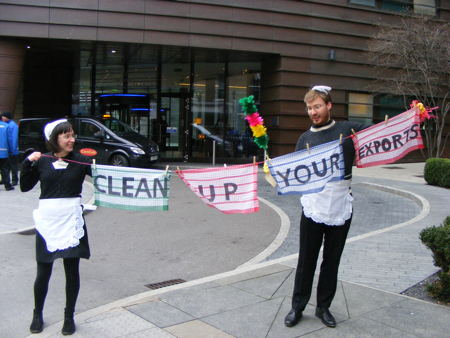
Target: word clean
(126,187)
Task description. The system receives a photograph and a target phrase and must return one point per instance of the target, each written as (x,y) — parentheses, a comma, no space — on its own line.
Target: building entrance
(173,128)
(134,109)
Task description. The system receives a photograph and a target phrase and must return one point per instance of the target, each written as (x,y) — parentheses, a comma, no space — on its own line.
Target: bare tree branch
(412,60)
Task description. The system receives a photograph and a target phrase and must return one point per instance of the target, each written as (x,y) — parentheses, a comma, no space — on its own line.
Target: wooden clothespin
(225,165)
(385,119)
(93,164)
(353,131)
(340,138)
(178,168)
(254,159)
(268,176)
(307,147)
(167,169)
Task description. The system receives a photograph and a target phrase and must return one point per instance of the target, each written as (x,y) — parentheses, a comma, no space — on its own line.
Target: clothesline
(86,163)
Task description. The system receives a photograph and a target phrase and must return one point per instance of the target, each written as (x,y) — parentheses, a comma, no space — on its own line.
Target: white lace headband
(322,89)
(50,126)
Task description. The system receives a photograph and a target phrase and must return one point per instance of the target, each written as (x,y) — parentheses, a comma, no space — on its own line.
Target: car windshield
(118,126)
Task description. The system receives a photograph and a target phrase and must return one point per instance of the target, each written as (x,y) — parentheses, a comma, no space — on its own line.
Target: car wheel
(118,160)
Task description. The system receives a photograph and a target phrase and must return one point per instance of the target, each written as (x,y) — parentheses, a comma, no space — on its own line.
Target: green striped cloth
(131,188)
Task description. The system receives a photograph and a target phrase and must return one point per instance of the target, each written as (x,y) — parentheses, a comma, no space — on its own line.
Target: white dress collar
(325,127)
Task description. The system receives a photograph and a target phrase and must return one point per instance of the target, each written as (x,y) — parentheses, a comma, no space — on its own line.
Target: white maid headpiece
(50,126)
(323,89)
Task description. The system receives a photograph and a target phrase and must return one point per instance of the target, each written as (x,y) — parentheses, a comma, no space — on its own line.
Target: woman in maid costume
(326,215)
(60,226)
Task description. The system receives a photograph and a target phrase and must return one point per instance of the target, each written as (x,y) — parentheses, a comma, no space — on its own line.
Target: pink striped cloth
(387,142)
(231,190)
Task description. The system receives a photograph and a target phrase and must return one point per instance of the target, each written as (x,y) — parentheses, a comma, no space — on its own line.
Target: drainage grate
(165,283)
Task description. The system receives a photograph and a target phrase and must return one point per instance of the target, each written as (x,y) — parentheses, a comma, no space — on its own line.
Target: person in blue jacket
(4,154)
(13,141)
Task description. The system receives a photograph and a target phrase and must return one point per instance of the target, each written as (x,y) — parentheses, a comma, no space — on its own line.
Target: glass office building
(175,70)
(185,99)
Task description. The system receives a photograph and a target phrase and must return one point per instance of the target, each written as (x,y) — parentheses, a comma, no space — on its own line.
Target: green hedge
(437,239)
(437,172)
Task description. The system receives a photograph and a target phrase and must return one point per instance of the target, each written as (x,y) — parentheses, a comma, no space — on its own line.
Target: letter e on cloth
(131,188)
(231,190)
(385,143)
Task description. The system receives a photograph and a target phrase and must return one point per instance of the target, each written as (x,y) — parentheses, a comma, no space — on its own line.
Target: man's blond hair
(313,94)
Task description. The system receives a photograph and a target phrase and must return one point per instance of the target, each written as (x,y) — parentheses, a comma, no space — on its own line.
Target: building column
(12,55)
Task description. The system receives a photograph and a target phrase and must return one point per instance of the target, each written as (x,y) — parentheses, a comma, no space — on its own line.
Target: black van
(108,140)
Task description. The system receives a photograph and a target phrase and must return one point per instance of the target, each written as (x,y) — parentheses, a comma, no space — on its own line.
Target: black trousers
(312,235)
(4,169)
(14,168)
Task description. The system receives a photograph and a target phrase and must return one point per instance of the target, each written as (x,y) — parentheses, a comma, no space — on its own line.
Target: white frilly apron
(332,206)
(60,222)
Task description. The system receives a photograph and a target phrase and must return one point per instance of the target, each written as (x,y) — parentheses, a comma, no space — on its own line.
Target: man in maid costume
(326,215)
(60,228)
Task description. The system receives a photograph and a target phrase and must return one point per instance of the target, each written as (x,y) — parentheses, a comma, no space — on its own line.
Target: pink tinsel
(254,119)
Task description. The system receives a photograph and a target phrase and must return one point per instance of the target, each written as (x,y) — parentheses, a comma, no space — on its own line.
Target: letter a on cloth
(387,142)
(306,172)
(131,188)
(232,190)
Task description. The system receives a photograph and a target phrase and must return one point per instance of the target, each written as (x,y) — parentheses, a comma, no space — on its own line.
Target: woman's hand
(34,156)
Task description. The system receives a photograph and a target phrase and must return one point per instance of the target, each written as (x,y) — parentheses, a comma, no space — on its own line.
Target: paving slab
(414,317)
(264,286)
(360,328)
(361,299)
(160,314)
(252,321)
(309,323)
(210,301)
(196,329)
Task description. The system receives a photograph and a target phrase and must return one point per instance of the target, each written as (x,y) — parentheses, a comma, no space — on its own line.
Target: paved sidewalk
(252,301)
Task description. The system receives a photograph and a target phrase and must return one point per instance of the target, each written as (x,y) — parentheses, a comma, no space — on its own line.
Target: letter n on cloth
(131,188)
(305,172)
(231,190)
(387,142)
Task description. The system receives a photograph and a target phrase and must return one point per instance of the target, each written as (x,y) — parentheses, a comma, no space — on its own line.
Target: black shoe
(14,183)
(9,187)
(292,318)
(68,327)
(326,317)
(37,324)
(69,324)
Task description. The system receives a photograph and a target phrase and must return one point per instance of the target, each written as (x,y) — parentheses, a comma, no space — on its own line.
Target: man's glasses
(316,107)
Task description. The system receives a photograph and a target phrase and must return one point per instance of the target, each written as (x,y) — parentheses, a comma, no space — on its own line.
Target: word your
(302,173)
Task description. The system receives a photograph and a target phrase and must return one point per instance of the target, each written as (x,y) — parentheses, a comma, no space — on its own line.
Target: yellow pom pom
(258,130)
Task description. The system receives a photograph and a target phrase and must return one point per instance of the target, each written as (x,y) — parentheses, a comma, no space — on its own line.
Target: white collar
(325,127)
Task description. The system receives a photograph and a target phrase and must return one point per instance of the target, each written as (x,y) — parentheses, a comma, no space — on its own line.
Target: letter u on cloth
(60,222)
(332,206)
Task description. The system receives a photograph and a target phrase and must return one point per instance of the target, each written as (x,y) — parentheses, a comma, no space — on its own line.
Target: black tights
(44,271)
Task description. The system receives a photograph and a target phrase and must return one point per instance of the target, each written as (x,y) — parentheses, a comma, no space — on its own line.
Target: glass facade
(186,100)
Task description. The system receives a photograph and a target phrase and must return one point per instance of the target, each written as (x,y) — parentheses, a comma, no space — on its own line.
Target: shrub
(440,289)
(437,172)
(437,239)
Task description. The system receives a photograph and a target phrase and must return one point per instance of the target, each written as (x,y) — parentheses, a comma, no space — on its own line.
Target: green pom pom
(248,105)
(262,141)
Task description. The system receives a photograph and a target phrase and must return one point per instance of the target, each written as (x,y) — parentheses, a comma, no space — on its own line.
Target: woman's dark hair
(61,128)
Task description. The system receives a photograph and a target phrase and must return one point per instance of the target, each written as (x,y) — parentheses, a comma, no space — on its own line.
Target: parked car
(106,139)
